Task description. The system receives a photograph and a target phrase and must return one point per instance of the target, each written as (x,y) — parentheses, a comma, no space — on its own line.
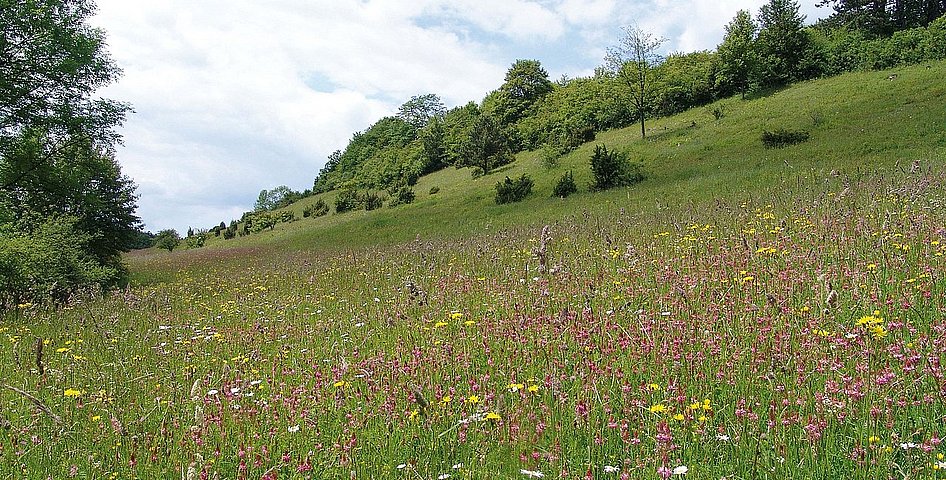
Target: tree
(167,240)
(782,44)
(421,109)
(487,147)
(57,141)
(272,199)
(737,55)
(633,60)
(526,83)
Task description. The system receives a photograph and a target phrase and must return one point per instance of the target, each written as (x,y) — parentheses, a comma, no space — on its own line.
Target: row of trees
(66,210)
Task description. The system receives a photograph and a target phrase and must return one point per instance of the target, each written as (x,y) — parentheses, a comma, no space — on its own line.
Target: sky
(235,96)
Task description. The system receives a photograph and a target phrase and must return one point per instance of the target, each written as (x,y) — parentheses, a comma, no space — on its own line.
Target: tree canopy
(58,172)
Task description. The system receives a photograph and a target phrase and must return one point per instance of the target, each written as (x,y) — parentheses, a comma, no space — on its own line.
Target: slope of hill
(858,122)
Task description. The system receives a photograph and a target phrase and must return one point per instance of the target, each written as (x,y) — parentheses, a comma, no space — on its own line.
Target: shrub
(565,186)
(231,231)
(167,240)
(613,169)
(402,196)
(509,190)
(434,190)
(317,209)
(346,200)
(782,137)
(372,201)
(48,262)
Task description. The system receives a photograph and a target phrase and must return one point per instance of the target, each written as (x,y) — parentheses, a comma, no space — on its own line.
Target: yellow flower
(62,350)
(473,400)
(456,315)
(653,387)
(878,332)
(515,387)
(446,399)
(679,417)
(413,414)
(469,323)
(440,324)
(493,416)
(695,406)
(340,384)
(96,418)
(71,392)
(658,408)
(533,389)
(873,439)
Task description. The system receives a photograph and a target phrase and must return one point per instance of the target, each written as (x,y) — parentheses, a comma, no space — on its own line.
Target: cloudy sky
(234,96)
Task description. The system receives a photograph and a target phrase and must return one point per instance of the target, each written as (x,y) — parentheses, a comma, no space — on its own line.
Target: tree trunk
(643,132)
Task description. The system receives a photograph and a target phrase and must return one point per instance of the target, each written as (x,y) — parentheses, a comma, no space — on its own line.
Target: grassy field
(743,313)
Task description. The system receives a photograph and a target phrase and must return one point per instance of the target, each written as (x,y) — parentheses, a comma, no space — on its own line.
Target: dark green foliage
(783,44)
(317,209)
(402,196)
(231,231)
(48,262)
(738,58)
(565,186)
(782,137)
(525,85)
(372,201)
(487,147)
(879,19)
(613,169)
(383,155)
(421,109)
(509,190)
(684,81)
(167,240)
(347,200)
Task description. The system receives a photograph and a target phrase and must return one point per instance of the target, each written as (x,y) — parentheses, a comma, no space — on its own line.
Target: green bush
(372,201)
(402,196)
(49,263)
(782,137)
(346,200)
(613,169)
(565,186)
(509,190)
(317,209)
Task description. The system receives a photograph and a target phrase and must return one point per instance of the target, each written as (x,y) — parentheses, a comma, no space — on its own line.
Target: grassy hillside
(858,122)
(743,313)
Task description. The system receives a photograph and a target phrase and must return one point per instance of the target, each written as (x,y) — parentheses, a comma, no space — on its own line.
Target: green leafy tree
(487,147)
(738,59)
(633,60)
(167,240)
(783,43)
(421,109)
(526,84)
(56,139)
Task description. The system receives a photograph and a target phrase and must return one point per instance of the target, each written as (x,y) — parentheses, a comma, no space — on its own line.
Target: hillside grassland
(742,313)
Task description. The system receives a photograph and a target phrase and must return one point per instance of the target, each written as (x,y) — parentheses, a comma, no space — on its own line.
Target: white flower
(610,469)
(457,466)
(212,392)
(443,476)
(401,466)
(294,429)
(681,470)
(722,437)
(908,445)
(532,473)
(235,390)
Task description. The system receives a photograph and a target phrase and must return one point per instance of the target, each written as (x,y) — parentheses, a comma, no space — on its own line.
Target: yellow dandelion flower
(653,387)
(340,384)
(533,389)
(456,315)
(413,414)
(493,416)
(473,399)
(679,417)
(440,324)
(515,387)
(658,408)
(71,392)
(446,399)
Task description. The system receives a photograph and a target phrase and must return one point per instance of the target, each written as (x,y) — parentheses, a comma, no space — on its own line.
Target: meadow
(792,325)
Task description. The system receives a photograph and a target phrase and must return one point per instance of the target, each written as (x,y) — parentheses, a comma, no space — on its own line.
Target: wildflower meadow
(796,332)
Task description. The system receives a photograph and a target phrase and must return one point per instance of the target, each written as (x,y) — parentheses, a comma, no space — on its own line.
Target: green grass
(718,316)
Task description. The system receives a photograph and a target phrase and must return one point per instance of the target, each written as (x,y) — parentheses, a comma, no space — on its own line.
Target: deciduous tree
(633,60)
